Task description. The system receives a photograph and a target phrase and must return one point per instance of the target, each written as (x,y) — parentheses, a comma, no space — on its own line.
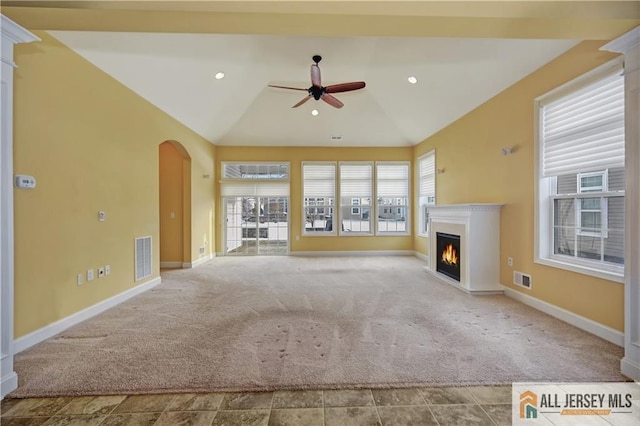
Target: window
(592,212)
(427,189)
(392,189)
(319,187)
(580,217)
(355,190)
(255,171)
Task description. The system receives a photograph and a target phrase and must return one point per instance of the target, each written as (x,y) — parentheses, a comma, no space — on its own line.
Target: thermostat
(25,182)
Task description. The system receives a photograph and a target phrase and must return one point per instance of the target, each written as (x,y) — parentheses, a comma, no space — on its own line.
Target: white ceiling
(176,72)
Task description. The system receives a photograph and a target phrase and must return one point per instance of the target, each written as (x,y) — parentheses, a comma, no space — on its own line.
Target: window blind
(427,175)
(355,180)
(319,180)
(584,130)
(392,180)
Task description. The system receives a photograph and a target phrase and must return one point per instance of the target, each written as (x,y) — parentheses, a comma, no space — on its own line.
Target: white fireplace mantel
(479,228)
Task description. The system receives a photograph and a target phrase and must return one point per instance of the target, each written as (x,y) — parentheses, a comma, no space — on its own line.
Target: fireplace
(448,255)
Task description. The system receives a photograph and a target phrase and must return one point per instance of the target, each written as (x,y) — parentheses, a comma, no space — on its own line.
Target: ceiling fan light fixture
(412,80)
(314,112)
(219,75)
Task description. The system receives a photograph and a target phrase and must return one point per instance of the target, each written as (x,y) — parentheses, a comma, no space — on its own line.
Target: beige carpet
(264,323)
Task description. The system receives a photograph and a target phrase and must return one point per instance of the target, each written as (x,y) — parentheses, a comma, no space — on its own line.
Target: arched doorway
(175,205)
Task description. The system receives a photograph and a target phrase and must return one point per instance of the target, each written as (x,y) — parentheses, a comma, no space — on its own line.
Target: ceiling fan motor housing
(316,92)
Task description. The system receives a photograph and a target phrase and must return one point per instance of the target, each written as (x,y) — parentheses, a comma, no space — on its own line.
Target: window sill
(423,235)
(392,234)
(319,234)
(610,275)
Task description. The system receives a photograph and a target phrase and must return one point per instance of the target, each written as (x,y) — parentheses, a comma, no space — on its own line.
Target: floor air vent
(143,258)
(523,280)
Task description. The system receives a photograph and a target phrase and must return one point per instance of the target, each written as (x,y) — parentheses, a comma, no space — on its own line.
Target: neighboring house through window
(580,196)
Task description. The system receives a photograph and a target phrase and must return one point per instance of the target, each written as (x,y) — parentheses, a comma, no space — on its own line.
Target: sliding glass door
(256,225)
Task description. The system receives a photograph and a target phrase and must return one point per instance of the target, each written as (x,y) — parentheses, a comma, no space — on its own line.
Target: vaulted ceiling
(169,52)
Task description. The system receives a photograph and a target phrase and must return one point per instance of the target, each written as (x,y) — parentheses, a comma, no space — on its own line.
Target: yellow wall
(92,145)
(476,172)
(296,156)
(171,203)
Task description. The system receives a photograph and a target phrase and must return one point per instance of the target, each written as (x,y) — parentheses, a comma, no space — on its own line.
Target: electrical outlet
(201,250)
(107,270)
(100,272)
(89,274)
(80,279)
(510,261)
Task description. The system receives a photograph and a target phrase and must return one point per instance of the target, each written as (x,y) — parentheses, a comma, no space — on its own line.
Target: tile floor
(490,405)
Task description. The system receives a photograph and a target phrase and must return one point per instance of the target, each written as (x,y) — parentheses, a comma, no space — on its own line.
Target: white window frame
(395,202)
(544,191)
(423,205)
(359,201)
(327,204)
(355,211)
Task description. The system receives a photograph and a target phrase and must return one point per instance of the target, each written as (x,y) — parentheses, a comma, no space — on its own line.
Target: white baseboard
(9,384)
(189,265)
(171,265)
(630,368)
(353,253)
(605,332)
(44,333)
(422,256)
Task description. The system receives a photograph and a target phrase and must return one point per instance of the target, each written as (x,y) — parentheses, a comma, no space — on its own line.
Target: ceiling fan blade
(345,87)
(315,75)
(301,102)
(287,87)
(331,100)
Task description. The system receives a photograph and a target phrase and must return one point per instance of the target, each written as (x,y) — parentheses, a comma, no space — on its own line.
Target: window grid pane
(356,190)
(319,181)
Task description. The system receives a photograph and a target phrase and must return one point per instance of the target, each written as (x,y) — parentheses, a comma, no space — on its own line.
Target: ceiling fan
(317,91)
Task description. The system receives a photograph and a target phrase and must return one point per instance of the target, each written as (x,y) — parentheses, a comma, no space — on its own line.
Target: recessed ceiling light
(314,112)
(412,80)
(219,76)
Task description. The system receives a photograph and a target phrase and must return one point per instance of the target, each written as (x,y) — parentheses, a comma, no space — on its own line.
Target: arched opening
(175,205)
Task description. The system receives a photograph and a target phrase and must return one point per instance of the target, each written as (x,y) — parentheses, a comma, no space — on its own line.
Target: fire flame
(449,255)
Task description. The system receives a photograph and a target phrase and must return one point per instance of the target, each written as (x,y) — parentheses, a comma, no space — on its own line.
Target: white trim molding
(607,333)
(48,331)
(12,34)
(422,256)
(189,265)
(171,265)
(353,253)
(9,383)
(629,45)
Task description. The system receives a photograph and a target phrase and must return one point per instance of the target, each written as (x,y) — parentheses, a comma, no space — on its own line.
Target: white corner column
(629,45)
(12,34)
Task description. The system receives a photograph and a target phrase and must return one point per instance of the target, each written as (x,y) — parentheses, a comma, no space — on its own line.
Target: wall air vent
(523,280)
(143,258)
(336,138)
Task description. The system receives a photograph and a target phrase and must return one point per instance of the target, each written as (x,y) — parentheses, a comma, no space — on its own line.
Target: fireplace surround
(478,251)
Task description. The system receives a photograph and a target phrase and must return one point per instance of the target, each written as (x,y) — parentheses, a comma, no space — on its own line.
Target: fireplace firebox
(448,255)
